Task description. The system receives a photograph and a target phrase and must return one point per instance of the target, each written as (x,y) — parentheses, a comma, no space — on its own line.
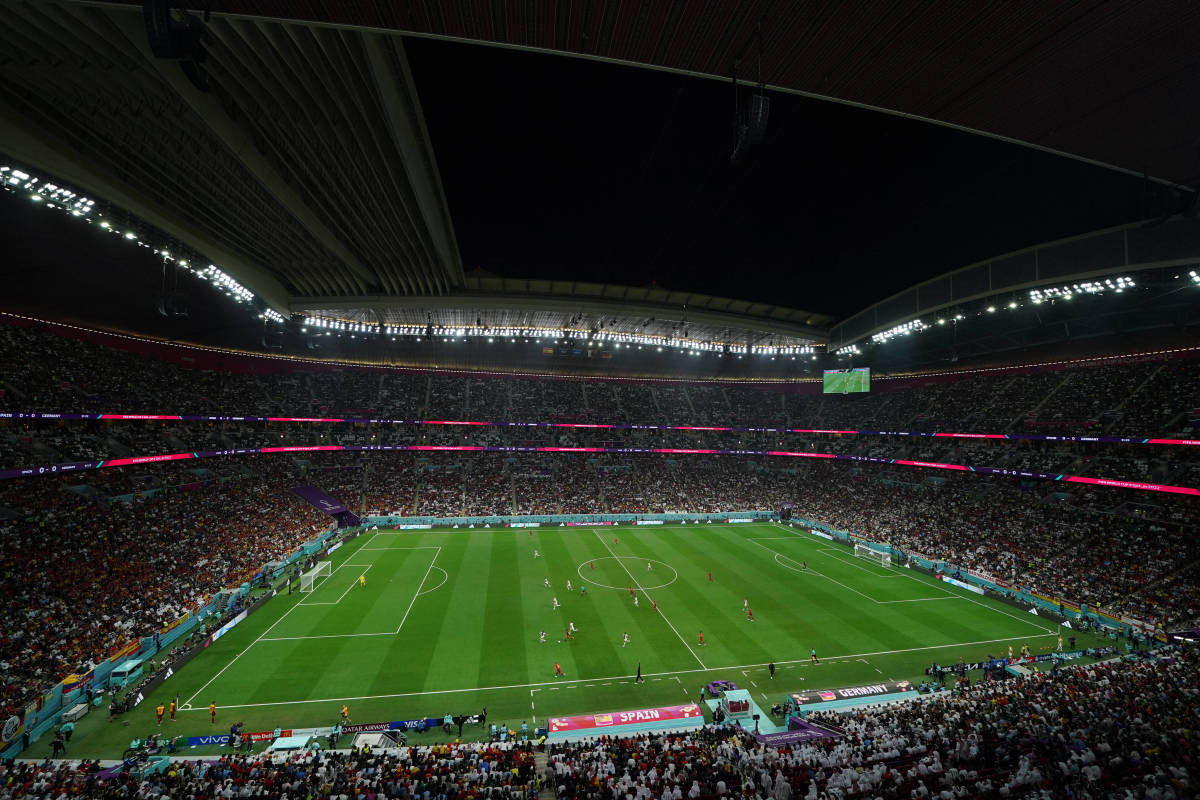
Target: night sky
(562,168)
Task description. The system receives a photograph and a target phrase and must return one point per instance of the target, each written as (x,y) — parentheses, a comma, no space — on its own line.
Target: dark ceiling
(567,168)
(1112,82)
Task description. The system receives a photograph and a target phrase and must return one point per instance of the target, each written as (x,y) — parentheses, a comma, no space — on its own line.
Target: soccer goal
(862,551)
(308,580)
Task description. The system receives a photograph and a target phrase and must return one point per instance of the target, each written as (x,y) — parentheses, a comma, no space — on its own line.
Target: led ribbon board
(78,466)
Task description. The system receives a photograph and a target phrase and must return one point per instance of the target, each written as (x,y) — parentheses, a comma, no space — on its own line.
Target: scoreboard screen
(842,381)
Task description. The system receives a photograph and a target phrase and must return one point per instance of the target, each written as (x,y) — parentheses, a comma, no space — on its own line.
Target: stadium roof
(1088,79)
(293,144)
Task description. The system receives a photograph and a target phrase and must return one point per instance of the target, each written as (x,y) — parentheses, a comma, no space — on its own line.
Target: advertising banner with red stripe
(615,718)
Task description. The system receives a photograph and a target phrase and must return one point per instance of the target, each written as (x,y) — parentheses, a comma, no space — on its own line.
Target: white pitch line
(834,552)
(343,594)
(282,617)
(950,594)
(648,597)
(326,581)
(398,549)
(674,675)
(1019,618)
(445,577)
(813,571)
(818,573)
(923,599)
(418,593)
(324,636)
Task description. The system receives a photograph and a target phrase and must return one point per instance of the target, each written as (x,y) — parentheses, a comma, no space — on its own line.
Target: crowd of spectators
(48,372)
(500,771)
(83,575)
(1113,729)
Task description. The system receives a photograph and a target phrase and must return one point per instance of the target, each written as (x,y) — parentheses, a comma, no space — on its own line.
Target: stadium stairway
(1132,397)
(691,406)
(1045,399)
(546,792)
(1161,579)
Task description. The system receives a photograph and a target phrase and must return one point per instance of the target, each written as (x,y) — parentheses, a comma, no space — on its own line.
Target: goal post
(881,558)
(308,579)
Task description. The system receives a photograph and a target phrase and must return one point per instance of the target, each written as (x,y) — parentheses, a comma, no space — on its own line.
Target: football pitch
(449,622)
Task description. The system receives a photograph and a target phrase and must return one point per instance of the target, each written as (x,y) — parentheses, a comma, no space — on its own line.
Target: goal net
(882,559)
(308,580)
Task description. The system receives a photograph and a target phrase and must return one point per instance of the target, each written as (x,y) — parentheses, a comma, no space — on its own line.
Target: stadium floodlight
(903,329)
(308,579)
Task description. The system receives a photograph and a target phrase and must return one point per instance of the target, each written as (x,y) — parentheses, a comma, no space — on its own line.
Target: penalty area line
(412,602)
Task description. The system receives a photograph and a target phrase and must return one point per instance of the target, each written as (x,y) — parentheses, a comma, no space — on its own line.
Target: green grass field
(858,380)
(448,622)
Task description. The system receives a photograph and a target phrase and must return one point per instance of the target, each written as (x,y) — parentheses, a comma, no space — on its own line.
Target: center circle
(658,575)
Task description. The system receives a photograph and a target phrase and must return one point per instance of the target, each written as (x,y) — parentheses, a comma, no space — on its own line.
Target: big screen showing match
(842,381)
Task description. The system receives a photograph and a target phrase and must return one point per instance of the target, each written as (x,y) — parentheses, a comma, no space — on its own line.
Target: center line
(648,597)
